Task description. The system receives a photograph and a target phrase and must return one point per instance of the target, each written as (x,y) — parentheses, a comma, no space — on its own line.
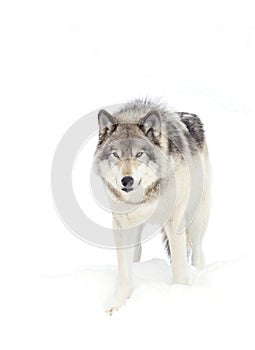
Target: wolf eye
(115,154)
(139,154)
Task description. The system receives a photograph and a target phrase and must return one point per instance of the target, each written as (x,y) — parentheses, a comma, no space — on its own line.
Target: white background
(63,59)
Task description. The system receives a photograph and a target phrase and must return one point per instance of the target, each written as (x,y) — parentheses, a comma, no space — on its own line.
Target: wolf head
(129,155)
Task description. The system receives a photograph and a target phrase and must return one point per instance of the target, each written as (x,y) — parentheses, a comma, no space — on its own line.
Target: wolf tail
(166,244)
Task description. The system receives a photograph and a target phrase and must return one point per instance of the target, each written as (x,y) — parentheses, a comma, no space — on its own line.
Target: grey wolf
(154,164)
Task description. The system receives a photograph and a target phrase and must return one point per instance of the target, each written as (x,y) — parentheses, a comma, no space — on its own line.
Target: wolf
(155,167)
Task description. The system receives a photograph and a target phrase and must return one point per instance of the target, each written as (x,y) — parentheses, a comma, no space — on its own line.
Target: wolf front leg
(138,244)
(178,248)
(125,240)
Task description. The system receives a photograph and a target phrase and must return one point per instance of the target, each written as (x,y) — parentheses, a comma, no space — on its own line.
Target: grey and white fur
(154,164)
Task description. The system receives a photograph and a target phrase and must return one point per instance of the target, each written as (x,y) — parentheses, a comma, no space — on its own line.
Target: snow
(49,311)
(63,59)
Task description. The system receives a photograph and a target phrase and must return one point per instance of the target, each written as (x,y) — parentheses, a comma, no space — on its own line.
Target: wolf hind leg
(195,232)
(198,257)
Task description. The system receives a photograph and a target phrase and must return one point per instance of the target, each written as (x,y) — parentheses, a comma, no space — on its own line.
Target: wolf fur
(154,164)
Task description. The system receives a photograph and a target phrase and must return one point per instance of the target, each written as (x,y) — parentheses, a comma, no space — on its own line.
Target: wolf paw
(199,262)
(111,309)
(123,293)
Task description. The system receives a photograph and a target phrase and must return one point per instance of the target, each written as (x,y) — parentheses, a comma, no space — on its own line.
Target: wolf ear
(107,124)
(150,124)
(106,120)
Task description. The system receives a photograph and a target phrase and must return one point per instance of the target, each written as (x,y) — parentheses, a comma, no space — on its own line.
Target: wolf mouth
(127,189)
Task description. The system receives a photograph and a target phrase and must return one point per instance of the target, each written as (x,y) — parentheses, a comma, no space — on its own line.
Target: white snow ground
(66,311)
(60,60)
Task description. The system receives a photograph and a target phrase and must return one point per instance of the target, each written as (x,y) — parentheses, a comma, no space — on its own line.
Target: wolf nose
(127,181)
